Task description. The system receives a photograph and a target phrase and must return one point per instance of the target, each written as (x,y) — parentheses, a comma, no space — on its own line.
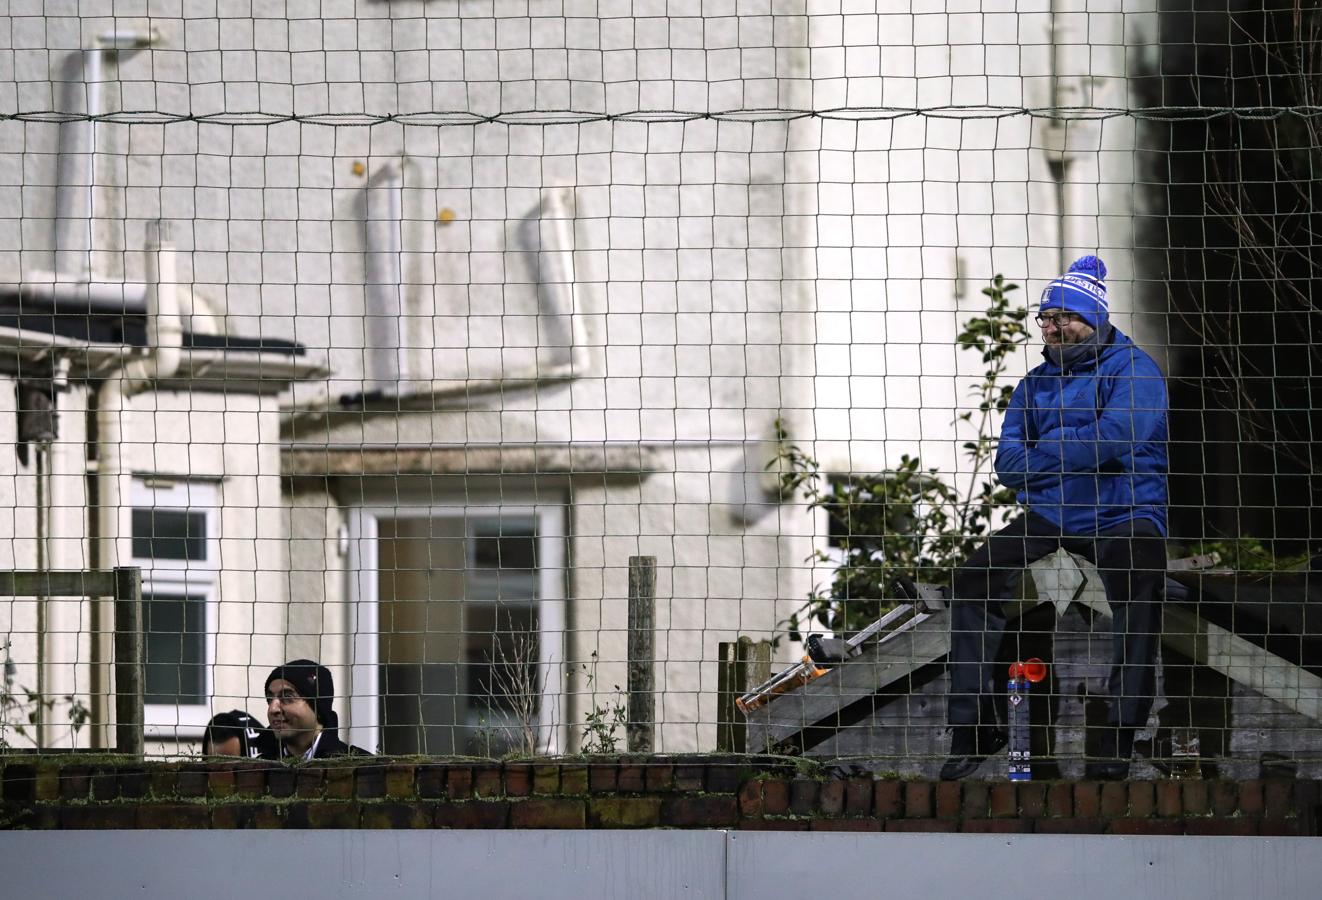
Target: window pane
(175,648)
(169,534)
(504,559)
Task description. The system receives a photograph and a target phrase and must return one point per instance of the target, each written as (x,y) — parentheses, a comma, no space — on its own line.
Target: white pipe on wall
(113,475)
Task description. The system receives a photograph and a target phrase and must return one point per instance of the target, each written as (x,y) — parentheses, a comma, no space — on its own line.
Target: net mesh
(397,335)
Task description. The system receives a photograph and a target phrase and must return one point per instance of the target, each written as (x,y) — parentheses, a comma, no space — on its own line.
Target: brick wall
(733,792)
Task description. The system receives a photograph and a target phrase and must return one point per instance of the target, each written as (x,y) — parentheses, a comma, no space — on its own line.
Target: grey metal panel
(345,865)
(1015,867)
(332,865)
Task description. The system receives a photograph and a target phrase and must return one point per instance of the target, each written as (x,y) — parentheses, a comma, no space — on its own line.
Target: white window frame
(167,721)
(364,612)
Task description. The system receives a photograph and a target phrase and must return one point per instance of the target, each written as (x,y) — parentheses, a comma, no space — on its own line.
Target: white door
(458,620)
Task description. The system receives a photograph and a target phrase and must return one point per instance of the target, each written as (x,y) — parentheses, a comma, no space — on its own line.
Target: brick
(774,825)
(280,781)
(804,793)
(430,781)
(1087,799)
(1251,800)
(309,782)
(76,783)
(723,778)
(393,814)
(551,812)
(632,778)
(220,782)
(832,802)
(1278,798)
(690,777)
(775,797)
(488,781)
(334,814)
(1074,825)
(546,778)
(624,812)
(295,815)
(863,825)
(1194,797)
(923,825)
(1168,799)
(1222,826)
(1115,800)
(918,799)
(997,826)
(1271,827)
(47,785)
(601,777)
(98,816)
(172,815)
(369,782)
(661,777)
(105,784)
(250,781)
(750,798)
(1142,799)
(134,784)
(712,811)
(1129,825)
(1060,800)
(340,782)
(458,782)
(165,782)
(887,799)
(518,779)
(20,784)
(1032,799)
(1004,802)
(400,781)
(976,799)
(858,796)
(949,799)
(574,780)
(475,814)
(1225,798)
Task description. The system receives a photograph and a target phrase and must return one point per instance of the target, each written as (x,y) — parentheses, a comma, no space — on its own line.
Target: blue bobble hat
(1081,290)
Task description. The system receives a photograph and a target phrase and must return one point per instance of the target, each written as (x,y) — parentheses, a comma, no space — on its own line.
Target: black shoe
(970,745)
(1113,752)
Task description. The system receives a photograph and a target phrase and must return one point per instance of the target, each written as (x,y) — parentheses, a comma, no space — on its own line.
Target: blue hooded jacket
(1086,448)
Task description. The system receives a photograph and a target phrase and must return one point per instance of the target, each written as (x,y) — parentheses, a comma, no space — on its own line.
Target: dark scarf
(1069,356)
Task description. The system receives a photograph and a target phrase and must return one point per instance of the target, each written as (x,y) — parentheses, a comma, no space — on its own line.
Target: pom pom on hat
(1081,290)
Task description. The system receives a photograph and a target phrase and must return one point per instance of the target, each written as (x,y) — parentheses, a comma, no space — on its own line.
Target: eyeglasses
(1059,319)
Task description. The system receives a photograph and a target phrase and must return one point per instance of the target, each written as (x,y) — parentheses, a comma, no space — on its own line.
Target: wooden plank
(923,640)
(1243,661)
(57,583)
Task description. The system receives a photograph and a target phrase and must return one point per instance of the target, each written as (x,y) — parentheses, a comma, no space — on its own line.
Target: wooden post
(642,653)
(129,675)
(744,665)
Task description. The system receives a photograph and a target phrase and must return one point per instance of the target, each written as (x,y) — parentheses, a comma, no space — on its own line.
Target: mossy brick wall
(732,792)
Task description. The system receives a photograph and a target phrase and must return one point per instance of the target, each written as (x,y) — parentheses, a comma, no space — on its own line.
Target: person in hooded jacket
(299,699)
(235,733)
(1084,446)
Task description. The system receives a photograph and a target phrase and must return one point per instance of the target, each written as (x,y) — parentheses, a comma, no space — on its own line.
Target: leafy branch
(910,522)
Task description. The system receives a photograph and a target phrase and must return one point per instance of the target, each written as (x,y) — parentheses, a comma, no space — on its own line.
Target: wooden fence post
(642,654)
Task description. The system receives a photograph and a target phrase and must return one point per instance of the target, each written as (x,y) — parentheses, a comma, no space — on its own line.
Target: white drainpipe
(113,473)
(82,217)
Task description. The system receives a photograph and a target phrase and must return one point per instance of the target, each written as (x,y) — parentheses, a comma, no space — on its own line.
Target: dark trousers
(1132,562)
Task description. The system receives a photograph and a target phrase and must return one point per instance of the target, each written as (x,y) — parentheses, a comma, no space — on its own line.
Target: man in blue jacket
(1084,445)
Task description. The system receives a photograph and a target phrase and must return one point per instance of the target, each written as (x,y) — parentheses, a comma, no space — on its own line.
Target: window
(174,542)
